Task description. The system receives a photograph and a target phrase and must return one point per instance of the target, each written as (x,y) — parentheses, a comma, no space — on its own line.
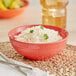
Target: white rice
(38,34)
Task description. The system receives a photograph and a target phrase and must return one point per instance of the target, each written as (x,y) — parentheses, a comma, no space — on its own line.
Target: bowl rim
(25,1)
(62,40)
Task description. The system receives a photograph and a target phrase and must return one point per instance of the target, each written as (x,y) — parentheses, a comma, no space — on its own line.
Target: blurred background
(33,16)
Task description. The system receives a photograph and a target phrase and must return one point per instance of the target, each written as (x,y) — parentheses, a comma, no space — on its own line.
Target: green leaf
(46,36)
(42,27)
(31,31)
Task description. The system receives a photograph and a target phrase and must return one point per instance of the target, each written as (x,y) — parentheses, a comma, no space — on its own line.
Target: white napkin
(6,70)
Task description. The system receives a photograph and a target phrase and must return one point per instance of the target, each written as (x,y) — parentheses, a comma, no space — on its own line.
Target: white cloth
(7,70)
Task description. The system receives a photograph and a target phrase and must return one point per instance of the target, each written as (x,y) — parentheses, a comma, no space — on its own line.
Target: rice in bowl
(38,34)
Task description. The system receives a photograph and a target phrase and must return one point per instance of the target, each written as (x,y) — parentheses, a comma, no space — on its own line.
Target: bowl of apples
(12,8)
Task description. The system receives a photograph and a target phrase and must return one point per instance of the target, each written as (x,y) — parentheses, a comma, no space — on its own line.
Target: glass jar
(54,12)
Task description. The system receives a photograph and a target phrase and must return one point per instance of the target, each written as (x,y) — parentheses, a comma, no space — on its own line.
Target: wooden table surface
(33,16)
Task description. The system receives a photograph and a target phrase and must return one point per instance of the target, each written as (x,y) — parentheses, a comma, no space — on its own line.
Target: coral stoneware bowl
(37,51)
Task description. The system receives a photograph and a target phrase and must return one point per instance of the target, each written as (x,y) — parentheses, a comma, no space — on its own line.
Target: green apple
(7,3)
(14,5)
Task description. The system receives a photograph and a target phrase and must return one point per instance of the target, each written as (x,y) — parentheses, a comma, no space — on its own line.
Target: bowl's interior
(26,3)
(63,33)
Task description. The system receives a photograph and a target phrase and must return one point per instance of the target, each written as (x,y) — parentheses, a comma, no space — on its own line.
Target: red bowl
(36,51)
(13,12)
